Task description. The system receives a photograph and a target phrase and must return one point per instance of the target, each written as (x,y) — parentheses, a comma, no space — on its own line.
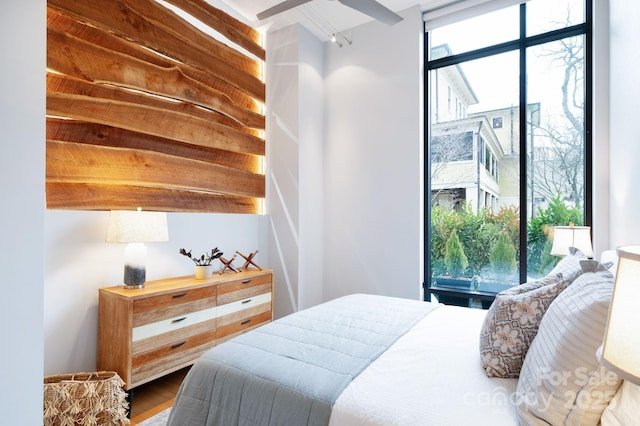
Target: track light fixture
(334,39)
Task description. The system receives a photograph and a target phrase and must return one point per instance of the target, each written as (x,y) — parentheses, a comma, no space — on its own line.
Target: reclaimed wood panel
(157,28)
(244,35)
(121,197)
(112,42)
(72,162)
(78,58)
(65,84)
(104,135)
(150,120)
(145,109)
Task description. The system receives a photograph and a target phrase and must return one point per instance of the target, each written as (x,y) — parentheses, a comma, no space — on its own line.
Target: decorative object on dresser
(228,264)
(136,228)
(249,260)
(203,263)
(147,333)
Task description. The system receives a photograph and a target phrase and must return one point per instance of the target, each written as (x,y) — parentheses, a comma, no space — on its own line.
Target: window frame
(520,44)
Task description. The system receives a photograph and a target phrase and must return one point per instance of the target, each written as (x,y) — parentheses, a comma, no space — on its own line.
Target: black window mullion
(426,179)
(588,117)
(524,155)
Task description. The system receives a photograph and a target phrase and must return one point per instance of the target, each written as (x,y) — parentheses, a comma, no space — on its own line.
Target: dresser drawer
(243,308)
(157,328)
(238,317)
(170,357)
(172,305)
(237,327)
(175,336)
(243,288)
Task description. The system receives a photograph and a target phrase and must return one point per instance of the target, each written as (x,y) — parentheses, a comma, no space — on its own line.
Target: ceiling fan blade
(280,7)
(374,9)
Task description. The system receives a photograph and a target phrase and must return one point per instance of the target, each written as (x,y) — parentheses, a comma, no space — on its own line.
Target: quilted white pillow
(561,381)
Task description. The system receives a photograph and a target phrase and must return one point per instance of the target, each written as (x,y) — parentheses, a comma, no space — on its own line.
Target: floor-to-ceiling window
(508,142)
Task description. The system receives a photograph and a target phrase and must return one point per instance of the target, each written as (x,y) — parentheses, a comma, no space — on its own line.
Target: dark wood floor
(153,397)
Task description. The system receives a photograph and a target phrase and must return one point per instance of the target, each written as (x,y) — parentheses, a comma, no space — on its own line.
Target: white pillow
(562,381)
(609,258)
(624,408)
(569,266)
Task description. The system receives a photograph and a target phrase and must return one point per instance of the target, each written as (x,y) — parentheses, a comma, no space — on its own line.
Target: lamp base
(133,286)
(134,276)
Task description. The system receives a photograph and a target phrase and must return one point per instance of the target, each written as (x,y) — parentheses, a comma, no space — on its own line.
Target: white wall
(373,152)
(624,135)
(312,132)
(295,141)
(22,159)
(345,148)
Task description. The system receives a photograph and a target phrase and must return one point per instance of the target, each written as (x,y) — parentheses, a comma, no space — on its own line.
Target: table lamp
(571,236)
(620,351)
(136,228)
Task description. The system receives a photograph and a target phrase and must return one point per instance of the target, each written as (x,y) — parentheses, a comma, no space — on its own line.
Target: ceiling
(321,17)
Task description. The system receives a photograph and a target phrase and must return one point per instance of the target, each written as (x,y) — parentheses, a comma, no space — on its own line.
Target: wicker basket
(85,399)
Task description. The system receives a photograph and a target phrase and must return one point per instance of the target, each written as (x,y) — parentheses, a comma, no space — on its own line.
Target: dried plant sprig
(205,259)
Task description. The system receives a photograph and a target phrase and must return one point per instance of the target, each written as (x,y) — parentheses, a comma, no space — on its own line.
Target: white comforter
(430,376)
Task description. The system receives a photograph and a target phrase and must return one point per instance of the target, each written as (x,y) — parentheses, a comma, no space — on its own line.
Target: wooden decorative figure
(249,260)
(228,264)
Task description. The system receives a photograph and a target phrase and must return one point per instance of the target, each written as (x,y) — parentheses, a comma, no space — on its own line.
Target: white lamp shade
(127,226)
(571,236)
(620,351)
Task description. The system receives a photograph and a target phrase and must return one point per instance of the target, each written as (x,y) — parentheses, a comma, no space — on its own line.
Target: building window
(452,147)
(523,155)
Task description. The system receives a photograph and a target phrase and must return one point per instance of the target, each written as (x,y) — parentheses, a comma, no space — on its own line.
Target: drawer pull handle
(178,320)
(246,281)
(245,322)
(246,301)
(177,345)
(175,296)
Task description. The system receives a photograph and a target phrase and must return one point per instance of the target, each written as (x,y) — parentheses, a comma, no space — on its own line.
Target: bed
(404,380)
(375,360)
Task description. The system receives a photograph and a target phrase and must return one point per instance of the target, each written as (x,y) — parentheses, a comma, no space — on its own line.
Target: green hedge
(479,232)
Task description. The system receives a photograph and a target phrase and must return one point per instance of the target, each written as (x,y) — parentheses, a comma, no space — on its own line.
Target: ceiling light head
(334,40)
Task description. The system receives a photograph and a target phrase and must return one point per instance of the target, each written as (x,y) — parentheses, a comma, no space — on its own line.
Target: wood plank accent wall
(148,108)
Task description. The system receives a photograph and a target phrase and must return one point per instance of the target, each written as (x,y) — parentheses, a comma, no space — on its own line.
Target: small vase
(203,271)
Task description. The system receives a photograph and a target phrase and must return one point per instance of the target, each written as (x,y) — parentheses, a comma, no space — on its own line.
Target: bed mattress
(430,376)
(357,360)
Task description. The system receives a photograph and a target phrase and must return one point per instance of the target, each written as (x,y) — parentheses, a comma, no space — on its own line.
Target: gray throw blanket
(291,371)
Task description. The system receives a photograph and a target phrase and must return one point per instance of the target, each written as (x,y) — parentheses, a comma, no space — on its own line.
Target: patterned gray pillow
(512,322)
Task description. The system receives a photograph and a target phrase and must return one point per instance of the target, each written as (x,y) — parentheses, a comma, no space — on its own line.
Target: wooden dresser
(146,333)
